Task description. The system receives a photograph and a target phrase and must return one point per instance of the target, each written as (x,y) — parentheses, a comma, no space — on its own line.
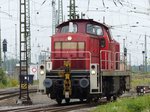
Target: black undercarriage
(111,86)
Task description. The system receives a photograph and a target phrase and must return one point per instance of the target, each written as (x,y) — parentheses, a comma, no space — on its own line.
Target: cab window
(94,29)
(65,29)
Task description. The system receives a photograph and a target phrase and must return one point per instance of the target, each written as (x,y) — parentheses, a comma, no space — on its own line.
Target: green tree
(3,78)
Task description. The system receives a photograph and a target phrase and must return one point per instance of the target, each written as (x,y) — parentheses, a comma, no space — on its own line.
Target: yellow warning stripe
(23,86)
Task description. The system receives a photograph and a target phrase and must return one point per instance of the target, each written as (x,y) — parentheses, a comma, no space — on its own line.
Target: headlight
(93,72)
(42,72)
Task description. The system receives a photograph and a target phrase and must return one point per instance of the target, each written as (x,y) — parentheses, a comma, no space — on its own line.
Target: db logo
(34,69)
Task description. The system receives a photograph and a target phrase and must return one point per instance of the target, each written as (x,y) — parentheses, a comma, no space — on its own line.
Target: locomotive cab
(85,60)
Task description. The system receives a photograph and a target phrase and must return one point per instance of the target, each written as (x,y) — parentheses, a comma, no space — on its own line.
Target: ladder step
(23,60)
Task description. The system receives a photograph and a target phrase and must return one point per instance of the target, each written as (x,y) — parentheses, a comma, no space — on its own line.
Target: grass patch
(141,79)
(139,104)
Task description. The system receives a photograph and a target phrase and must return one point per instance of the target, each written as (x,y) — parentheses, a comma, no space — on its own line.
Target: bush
(3,78)
(14,83)
(139,104)
(6,81)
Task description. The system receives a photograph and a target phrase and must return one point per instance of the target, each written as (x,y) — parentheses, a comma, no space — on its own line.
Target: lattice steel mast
(28,33)
(60,11)
(72,10)
(53,16)
(24,51)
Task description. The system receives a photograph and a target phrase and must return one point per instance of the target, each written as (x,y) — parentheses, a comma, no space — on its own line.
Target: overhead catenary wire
(131,33)
(104,10)
(103,3)
(115,2)
(128,8)
(120,2)
(88,4)
(43,2)
(129,4)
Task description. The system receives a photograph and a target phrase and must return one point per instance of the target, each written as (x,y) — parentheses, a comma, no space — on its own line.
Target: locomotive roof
(83,20)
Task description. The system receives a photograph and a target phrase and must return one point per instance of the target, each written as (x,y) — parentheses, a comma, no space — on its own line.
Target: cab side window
(94,29)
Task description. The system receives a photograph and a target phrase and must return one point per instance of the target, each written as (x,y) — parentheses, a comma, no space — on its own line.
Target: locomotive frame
(82,71)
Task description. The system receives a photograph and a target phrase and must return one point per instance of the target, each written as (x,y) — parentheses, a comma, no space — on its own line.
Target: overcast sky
(130,20)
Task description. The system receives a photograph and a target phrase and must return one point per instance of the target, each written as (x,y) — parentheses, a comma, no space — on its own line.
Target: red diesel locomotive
(86,63)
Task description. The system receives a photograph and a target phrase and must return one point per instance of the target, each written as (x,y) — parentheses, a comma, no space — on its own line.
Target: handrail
(114,61)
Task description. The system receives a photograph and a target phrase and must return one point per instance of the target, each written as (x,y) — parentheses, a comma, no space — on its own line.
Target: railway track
(8,93)
(13,94)
(46,108)
(55,108)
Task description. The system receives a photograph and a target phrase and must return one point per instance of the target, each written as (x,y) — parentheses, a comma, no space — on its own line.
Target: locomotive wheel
(96,100)
(67,100)
(81,99)
(59,101)
(114,98)
(89,99)
(108,98)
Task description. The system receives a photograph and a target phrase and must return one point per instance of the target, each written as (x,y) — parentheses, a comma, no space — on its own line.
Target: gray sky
(124,15)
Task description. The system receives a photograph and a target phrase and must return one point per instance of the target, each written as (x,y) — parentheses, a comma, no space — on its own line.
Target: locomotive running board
(95,79)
